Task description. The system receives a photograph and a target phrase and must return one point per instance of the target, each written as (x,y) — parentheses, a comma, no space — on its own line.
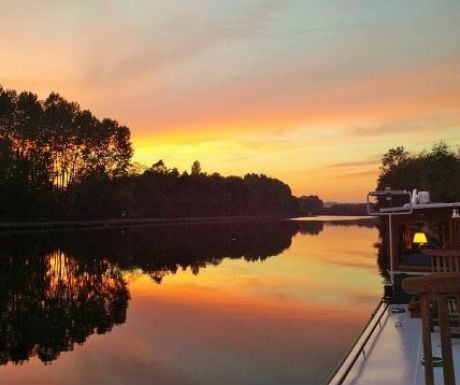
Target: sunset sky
(312,92)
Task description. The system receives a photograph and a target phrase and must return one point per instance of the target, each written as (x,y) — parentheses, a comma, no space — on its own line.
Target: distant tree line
(163,192)
(346,209)
(59,162)
(436,171)
(310,205)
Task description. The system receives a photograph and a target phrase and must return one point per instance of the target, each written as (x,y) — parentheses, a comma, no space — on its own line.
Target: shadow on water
(58,288)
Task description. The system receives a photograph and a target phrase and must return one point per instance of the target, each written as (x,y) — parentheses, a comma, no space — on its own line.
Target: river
(274,302)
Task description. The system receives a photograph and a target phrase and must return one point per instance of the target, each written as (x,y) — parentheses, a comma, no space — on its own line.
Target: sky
(311,92)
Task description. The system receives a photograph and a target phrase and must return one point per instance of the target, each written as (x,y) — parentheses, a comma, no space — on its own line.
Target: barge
(413,336)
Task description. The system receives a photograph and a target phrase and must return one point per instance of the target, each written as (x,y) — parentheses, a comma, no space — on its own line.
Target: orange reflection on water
(320,278)
(66,278)
(285,320)
(239,303)
(290,317)
(338,266)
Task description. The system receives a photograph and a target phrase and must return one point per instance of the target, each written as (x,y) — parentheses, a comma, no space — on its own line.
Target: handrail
(358,346)
(388,194)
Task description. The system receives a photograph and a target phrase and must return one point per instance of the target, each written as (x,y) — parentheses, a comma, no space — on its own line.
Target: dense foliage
(346,209)
(59,162)
(309,205)
(47,148)
(163,192)
(437,171)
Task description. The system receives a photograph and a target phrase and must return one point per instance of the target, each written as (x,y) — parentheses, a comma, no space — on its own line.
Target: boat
(413,335)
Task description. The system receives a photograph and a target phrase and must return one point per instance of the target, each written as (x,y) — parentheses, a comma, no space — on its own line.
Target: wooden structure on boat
(423,236)
(411,334)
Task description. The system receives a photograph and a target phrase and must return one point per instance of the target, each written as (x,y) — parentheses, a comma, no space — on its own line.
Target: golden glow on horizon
(316,107)
(338,124)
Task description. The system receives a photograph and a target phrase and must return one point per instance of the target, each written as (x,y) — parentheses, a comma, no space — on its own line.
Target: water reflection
(57,289)
(312,228)
(50,302)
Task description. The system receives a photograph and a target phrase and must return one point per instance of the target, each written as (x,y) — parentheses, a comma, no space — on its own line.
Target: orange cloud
(247,87)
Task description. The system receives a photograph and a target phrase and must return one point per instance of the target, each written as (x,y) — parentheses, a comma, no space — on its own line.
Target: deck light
(420,238)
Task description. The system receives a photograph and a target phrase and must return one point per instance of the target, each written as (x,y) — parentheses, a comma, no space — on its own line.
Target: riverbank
(121,222)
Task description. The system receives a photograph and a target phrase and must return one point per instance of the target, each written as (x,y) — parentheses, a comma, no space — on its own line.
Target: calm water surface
(255,303)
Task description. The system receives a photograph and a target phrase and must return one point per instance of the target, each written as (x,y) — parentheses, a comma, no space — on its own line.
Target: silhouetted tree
(163,192)
(310,205)
(53,145)
(437,171)
(196,168)
(346,209)
(58,161)
(393,158)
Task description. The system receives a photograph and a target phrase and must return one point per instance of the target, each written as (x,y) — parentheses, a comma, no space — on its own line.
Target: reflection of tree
(361,222)
(160,251)
(56,289)
(314,227)
(311,227)
(50,302)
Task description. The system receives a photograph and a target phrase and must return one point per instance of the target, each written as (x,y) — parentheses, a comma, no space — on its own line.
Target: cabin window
(410,252)
(438,235)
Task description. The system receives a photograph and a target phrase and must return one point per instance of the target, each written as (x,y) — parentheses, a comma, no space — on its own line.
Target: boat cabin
(423,236)
(411,334)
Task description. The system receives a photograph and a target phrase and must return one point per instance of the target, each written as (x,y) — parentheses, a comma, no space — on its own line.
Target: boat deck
(393,353)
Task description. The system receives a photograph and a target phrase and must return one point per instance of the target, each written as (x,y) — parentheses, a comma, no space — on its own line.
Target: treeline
(436,171)
(346,209)
(163,192)
(59,162)
(313,205)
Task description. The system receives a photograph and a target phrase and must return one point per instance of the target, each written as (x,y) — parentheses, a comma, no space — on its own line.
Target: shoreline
(121,222)
(109,223)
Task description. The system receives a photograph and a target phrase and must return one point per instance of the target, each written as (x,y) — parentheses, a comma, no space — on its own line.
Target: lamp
(455,214)
(420,238)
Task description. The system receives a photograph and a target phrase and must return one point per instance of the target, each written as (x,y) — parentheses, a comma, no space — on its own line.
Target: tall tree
(393,158)
(437,171)
(196,168)
(53,143)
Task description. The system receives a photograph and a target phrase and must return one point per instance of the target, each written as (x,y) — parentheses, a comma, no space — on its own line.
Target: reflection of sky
(286,320)
(311,270)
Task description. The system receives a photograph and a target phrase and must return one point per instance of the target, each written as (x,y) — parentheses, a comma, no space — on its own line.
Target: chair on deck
(438,289)
(444,261)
